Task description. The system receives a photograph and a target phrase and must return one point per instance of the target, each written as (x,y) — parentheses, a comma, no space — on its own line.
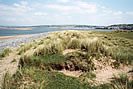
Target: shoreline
(15,36)
(16,41)
(16,28)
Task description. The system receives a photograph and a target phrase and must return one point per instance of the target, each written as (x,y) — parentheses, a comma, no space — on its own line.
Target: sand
(16,28)
(9,37)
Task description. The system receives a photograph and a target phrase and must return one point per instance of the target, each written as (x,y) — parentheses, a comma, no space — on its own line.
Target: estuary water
(36,30)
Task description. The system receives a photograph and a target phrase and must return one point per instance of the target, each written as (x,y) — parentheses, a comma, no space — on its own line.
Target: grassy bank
(41,60)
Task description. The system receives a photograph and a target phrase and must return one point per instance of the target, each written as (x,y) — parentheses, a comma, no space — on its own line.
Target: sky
(65,12)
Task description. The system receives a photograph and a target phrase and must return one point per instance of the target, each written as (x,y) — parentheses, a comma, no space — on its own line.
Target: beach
(16,41)
(10,37)
(16,28)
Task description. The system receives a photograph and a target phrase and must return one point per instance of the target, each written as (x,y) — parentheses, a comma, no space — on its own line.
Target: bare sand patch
(106,74)
(7,65)
(69,51)
(9,37)
(16,28)
(71,73)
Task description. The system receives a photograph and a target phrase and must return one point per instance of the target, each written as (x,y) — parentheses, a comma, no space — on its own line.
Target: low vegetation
(5,52)
(41,60)
(122,82)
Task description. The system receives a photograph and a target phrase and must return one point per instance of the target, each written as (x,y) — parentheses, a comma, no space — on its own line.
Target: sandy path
(7,65)
(105,75)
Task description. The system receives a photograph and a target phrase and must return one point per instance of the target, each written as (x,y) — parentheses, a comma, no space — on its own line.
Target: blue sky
(89,12)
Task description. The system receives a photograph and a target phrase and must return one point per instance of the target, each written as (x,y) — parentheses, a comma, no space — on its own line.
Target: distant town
(111,27)
(118,27)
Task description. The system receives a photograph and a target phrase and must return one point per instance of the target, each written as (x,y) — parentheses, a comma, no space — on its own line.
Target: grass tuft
(48,60)
(122,82)
(24,48)
(5,52)
(35,70)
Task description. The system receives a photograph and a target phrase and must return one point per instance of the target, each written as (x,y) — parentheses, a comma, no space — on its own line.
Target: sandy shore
(16,28)
(16,41)
(9,37)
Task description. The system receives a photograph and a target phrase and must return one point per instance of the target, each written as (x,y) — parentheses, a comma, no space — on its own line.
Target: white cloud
(11,19)
(15,9)
(82,4)
(21,4)
(87,8)
(61,12)
(118,13)
(129,13)
(78,7)
(63,1)
(15,13)
(106,11)
(60,7)
(24,3)
(21,7)
(4,7)
(40,13)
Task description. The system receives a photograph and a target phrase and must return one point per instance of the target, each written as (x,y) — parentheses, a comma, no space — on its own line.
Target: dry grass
(73,51)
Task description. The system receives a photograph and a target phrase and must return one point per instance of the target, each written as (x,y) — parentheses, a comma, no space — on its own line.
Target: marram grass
(57,42)
(5,52)
(48,53)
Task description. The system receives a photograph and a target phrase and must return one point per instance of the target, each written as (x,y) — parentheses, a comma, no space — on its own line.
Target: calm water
(9,32)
